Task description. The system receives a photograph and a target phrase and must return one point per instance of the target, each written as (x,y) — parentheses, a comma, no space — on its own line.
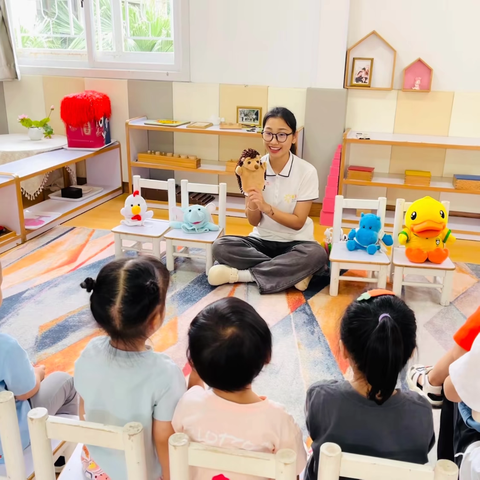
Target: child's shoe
(432,393)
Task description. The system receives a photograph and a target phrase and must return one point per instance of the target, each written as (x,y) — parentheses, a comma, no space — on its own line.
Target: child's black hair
(288,117)
(126,295)
(229,343)
(379,334)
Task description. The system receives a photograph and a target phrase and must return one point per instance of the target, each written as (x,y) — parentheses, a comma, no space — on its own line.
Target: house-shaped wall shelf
(417,77)
(385,56)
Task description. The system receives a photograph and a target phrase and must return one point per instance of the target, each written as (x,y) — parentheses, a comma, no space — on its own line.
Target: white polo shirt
(297,182)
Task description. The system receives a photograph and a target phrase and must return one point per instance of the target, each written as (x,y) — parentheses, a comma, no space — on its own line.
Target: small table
(17,146)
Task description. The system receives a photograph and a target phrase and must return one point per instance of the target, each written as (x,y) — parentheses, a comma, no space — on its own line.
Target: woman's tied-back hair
(247,153)
(126,295)
(380,336)
(229,343)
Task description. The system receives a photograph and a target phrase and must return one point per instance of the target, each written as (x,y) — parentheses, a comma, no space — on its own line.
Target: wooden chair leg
(398,281)
(334,278)
(209,257)
(382,277)
(170,258)
(447,289)
(156,248)
(118,245)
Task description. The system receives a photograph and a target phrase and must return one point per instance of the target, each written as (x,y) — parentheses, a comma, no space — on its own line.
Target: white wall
(268,42)
(444,33)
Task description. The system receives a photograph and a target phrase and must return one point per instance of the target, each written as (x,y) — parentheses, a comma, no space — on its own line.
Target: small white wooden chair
(18,462)
(43,427)
(442,273)
(334,464)
(184,454)
(343,259)
(153,231)
(178,238)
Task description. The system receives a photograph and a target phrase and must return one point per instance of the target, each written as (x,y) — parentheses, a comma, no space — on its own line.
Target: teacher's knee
(316,254)
(221,248)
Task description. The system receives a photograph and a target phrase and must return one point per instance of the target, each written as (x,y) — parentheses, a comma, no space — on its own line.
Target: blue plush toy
(368,235)
(195,219)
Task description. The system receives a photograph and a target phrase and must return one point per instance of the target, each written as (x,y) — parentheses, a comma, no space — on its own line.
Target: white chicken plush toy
(135,210)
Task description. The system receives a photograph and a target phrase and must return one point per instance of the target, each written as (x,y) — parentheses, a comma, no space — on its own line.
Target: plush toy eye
(413,216)
(131,205)
(190,211)
(370,228)
(138,204)
(442,214)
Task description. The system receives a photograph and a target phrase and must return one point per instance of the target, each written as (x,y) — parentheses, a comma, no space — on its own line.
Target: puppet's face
(196,215)
(252,163)
(135,204)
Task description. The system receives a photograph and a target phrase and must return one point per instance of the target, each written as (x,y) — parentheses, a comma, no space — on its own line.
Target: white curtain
(8,62)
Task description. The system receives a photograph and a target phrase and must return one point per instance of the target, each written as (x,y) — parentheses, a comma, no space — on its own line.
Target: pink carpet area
(47,311)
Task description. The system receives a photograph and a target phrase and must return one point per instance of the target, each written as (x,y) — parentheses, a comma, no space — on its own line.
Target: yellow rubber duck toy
(426,234)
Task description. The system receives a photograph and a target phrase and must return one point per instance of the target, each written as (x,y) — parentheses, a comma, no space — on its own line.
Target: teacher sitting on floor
(281,252)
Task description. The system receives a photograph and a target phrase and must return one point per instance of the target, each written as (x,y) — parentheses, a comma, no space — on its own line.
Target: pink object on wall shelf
(417,77)
(331,190)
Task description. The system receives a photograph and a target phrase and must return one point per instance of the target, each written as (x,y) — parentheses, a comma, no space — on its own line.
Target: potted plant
(37,129)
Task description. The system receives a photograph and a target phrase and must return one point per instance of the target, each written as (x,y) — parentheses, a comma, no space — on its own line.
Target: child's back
(118,377)
(229,343)
(367,415)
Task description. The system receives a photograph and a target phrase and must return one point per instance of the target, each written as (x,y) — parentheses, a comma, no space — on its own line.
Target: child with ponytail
(119,378)
(367,415)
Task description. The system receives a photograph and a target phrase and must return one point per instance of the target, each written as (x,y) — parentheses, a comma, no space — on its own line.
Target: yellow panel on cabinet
(465,121)
(411,158)
(292,98)
(233,96)
(195,102)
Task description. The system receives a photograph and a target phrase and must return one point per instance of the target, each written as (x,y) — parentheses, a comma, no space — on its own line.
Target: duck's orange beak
(428,229)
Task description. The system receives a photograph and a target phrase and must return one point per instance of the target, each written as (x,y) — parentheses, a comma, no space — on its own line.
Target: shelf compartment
(207,168)
(417,69)
(392,180)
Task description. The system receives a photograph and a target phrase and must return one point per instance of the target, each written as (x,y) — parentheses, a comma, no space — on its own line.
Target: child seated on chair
(228,346)
(118,377)
(368,415)
(30,386)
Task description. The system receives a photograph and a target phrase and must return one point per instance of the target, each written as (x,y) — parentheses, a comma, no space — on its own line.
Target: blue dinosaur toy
(368,235)
(195,219)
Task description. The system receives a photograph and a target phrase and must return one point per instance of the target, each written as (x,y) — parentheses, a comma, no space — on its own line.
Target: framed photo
(249,115)
(362,69)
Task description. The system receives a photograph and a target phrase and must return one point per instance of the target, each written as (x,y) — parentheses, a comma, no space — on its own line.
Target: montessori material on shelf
(467,182)
(169,159)
(372,47)
(417,77)
(231,126)
(418,177)
(200,125)
(356,172)
(166,123)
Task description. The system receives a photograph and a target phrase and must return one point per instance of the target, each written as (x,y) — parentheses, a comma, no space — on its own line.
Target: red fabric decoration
(80,108)
(220,477)
(137,217)
(135,193)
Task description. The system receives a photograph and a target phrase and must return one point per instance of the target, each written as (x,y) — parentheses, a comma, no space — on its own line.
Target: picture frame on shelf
(249,116)
(362,71)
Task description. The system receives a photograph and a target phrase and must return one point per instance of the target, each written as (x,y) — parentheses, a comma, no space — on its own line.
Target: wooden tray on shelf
(8,235)
(466,182)
(192,163)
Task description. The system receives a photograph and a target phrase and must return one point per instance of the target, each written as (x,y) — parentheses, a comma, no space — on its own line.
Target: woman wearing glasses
(281,252)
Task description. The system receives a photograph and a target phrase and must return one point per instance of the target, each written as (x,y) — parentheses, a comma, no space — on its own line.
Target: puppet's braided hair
(247,153)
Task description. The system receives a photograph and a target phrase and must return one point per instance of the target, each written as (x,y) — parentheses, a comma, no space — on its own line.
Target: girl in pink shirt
(228,346)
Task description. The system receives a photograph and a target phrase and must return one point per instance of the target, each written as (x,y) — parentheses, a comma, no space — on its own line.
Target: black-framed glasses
(281,137)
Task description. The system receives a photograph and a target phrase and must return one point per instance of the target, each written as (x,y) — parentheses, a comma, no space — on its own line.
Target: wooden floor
(107,216)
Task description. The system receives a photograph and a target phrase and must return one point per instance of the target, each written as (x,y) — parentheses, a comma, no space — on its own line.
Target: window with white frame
(141,35)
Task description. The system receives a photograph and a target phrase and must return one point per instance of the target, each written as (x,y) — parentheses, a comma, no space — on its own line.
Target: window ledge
(88,72)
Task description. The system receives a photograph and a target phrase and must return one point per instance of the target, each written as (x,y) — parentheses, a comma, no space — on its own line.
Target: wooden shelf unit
(103,169)
(137,143)
(11,217)
(397,181)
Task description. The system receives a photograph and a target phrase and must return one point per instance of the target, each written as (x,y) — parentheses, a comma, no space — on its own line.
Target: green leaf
(26,122)
(48,131)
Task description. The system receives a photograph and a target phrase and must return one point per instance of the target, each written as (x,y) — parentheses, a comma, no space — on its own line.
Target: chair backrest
(220,190)
(43,427)
(184,454)
(10,436)
(341,203)
(165,185)
(334,464)
(400,208)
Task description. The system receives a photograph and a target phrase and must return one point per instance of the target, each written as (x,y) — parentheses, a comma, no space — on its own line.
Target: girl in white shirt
(281,252)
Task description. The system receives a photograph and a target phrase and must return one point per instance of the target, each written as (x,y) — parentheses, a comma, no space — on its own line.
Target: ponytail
(384,359)
(379,334)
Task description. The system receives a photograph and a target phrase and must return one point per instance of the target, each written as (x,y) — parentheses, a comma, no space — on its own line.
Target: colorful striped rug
(47,311)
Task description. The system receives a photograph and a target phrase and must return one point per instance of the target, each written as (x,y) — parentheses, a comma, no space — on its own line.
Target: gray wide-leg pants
(275,266)
(57,394)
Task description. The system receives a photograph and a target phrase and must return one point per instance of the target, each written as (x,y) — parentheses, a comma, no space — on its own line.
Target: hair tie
(383,316)
(374,293)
